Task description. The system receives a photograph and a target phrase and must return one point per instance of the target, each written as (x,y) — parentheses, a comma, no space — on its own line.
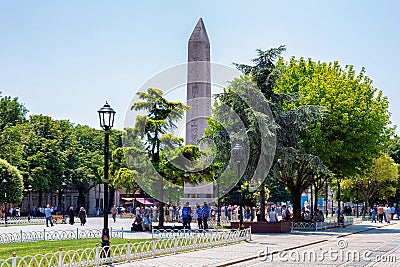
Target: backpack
(185,212)
(206,212)
(166,212)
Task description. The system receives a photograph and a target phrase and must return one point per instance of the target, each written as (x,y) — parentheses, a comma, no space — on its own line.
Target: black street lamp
(63,187)
(29,202)
(106,116)
(4,182)
(238,148)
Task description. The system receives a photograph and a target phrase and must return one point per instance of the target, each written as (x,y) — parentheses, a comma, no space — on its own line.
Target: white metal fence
(22,220)
(315,226)
(128,252)
(171,233)
(31,236)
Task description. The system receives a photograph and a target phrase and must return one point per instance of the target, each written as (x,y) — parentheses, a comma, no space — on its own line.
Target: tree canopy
(11,183)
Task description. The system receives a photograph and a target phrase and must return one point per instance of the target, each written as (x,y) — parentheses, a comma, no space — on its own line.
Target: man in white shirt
(47,213)
(388,213)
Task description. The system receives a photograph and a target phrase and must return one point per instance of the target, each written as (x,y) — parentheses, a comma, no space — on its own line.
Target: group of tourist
(13,211)
(308,216)
(49,211)
(141,224)
(200,214)
(384,213)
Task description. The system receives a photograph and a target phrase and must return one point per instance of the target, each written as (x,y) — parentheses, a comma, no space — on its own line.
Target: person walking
(166,213)
(82,216)
(206,215)
(47,212)
(373,214)
(199,213)
(388,213)
(114,212)
(186,216)
(380,212)
(272,217)
(71,215)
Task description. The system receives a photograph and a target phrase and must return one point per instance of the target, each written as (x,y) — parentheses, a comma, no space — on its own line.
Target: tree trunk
(81,200)
(161,203)
(262,202)
(40,198)
(338,197)
(59,200)
(296,200)
(316,190)
(365,208)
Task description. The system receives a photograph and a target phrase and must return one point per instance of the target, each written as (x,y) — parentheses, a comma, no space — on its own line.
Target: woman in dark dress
(82,216)
(71,215)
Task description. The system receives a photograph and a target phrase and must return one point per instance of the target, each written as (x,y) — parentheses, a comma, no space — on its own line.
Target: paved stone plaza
(365,244)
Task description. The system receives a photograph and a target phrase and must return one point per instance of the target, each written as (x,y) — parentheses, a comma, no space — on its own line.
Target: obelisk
(199,99)
(198,83)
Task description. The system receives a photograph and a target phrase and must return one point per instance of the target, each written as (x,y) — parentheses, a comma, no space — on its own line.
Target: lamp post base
(105,244)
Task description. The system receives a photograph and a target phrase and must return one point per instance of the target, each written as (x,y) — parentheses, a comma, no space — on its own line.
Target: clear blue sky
(65,58)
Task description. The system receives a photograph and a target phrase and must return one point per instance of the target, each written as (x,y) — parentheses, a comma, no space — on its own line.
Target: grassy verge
(42,247)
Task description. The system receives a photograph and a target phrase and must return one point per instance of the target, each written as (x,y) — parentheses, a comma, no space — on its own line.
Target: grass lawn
(43,247)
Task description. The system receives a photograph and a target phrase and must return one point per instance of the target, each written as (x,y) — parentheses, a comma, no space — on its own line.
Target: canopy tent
(127,198)
(142,200)
(145,201)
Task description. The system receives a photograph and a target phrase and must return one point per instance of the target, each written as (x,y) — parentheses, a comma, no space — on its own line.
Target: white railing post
(14,260)
(97,256)
(225,239)
(21,236)
(154,248)
(128,251)
(250,233)
(195,242)
(176,245)
(60,258)
(44,234)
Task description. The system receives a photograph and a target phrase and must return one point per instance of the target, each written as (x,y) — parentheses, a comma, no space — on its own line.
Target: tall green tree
(43,154)
(378,182)
(356,123)
(160,119)
(11,111)
(252,81)
(11,183)
(294,165)
(82,159)
(393,148)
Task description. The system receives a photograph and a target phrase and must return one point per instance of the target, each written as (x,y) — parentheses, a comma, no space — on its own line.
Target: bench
(126,215)
(58,218)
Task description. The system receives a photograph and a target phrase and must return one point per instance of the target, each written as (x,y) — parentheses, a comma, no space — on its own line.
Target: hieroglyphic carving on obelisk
(198,83)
